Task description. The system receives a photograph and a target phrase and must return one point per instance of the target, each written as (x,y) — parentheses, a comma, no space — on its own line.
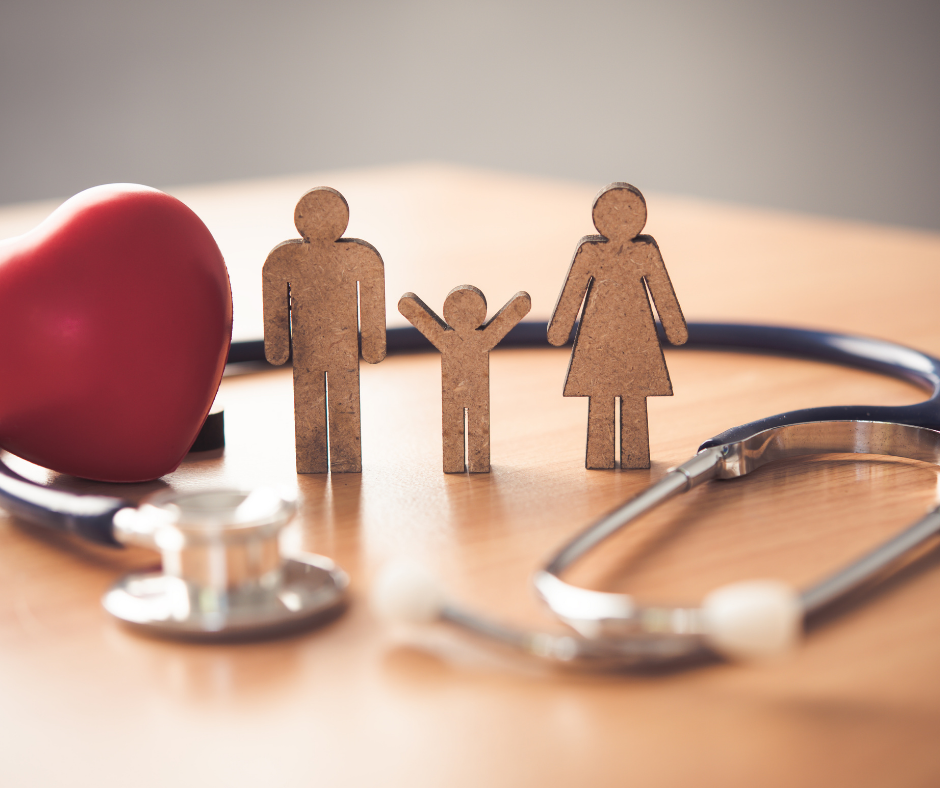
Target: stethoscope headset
(224,573)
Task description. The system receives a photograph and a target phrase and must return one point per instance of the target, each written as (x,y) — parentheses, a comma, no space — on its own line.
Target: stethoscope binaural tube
(746,620)
(729,621)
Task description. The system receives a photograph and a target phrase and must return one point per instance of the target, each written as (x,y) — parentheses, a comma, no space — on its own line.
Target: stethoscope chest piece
(223,572)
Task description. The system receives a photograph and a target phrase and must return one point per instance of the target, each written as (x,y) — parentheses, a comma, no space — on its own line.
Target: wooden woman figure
(313,307)
(465,343)
(616,352)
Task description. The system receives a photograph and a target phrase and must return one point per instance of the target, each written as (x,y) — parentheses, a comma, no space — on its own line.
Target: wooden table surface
(84,702)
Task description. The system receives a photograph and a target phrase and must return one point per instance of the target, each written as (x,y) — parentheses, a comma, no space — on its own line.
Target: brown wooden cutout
(465,343)
(616,352)
(311,311)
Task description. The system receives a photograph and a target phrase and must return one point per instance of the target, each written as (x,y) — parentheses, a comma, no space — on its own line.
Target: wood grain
(321,292)
(87,703)
(465,343)
(616,355)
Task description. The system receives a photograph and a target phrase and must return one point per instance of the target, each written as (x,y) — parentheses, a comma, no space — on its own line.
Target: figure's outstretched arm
(572,292)
(502,322)
(422,317)
(275,291)
(370,271)
(664,297)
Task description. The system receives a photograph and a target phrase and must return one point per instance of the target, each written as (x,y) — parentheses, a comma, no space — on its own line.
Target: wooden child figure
(311,308)
(616,352)
(465,344)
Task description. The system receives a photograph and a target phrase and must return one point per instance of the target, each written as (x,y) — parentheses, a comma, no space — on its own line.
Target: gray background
(829,108)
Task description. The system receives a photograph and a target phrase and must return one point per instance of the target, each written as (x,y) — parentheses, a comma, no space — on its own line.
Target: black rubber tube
(91,516)
(873,355)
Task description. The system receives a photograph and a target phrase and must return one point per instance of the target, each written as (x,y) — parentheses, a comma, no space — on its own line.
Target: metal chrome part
(624,651)
(605,617)
(223,573)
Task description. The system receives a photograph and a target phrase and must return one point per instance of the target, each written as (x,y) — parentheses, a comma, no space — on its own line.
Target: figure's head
(464,308)
(620,212)
(321,215)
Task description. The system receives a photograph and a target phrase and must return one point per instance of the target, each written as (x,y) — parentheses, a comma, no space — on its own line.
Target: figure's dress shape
(616,351)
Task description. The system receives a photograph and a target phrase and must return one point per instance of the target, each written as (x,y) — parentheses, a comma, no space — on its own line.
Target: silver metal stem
(700,468)
(556,648)
(574,651)
(617,624)
(614,631)
(871,565)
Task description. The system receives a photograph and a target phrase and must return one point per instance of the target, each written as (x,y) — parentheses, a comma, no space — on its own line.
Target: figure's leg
(345,429)
(478,438)
(452,434)
(310,420)
(600,433)
(634,434)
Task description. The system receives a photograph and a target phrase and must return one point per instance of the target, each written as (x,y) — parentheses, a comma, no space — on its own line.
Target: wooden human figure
(465,343)
(616,352)
(311,308)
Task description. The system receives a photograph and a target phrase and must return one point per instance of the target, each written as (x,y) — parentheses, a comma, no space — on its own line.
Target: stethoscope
(749,620)
(224,573)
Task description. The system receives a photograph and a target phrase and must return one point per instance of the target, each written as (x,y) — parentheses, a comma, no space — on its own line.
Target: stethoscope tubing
(90,516)
(865,353)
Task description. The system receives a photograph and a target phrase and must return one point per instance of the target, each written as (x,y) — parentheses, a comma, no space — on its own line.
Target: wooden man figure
(465,343)
(311,309)
(616,352)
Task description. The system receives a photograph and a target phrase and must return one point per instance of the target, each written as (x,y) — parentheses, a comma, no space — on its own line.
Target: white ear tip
(757,619)
(407,592)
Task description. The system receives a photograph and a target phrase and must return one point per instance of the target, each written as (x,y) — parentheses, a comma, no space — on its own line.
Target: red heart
(115,322)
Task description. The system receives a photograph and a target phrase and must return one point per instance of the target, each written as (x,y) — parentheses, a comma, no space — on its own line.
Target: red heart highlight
(115,322)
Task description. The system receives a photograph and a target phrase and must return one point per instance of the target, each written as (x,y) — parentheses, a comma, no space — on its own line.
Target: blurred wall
(826,107)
